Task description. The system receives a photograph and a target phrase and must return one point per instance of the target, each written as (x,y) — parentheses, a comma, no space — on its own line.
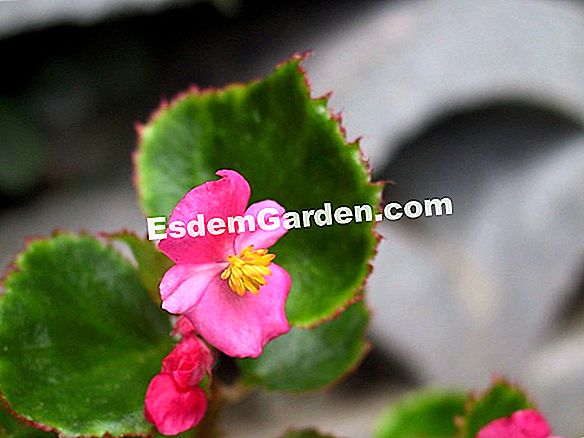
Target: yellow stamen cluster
(247,270)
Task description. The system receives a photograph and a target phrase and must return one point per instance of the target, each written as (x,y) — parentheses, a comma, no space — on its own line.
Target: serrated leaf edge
(476,395)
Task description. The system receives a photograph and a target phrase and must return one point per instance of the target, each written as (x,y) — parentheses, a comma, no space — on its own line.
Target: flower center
(247,270)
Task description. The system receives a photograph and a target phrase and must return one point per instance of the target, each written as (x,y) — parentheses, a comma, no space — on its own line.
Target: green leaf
(290,149)
(428,414)
(152,264)
(80,338)
(306,433)
(306,359)
(10,427)
(500,401)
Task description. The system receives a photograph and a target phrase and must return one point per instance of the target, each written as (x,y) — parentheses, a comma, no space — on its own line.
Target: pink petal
(214,199)
(171,409)
(522,424)
(183,285)
(260,238)
(241,326)
(188,362)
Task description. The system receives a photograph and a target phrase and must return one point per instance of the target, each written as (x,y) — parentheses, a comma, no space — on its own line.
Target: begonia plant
(114,335)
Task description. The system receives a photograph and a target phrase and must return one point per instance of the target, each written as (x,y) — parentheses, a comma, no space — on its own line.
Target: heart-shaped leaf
(80,338)
(501,400)
(429,414)
(291,149)
(307,359)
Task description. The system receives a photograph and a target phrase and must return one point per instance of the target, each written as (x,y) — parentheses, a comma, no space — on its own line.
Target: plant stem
(209,427)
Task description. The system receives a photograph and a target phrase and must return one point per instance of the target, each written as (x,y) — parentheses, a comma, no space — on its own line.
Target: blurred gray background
(482,101)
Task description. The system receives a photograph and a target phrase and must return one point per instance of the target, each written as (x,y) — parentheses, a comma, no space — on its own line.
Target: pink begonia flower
(174,401)
(522,424)
(226,284)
